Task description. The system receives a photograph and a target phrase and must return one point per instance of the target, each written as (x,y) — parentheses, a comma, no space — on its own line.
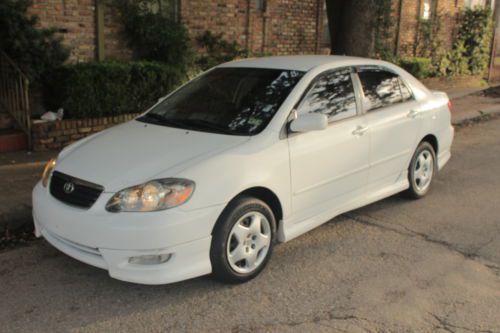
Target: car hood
(136,152)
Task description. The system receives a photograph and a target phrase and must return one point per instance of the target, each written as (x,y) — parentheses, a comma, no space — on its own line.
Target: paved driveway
(395,266)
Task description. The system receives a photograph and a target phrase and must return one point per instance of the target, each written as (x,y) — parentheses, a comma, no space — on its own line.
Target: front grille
(84,193)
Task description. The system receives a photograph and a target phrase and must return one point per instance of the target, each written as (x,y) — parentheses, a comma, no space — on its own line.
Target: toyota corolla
(248,154)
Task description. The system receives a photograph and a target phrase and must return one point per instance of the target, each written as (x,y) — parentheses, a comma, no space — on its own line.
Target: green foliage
(469,54)
(474,33)
(429,42)
(152,35)
(34,49)
(217,50)
(97,89)
(418,67)
(383,22)
(457,62)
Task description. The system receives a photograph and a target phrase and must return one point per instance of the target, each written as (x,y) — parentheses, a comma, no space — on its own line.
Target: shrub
(97,89)
(457,62)
(34,49)
(216,50)
(474,34)
(418,67)
(471,50)
(152,35)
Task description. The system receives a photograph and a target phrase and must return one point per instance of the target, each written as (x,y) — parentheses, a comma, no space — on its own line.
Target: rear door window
(381,88)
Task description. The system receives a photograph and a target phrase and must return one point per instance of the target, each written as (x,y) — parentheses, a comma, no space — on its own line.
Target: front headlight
(49,167)
(154,195)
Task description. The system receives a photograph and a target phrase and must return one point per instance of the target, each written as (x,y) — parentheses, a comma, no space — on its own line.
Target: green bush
(216,50)
(152,34)
(418,67)
(34,49)
(97,89)
(474,33)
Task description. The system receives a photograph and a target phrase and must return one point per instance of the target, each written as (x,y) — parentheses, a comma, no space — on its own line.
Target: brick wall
(284,27)
(75,20)
(58,134)
(411,11)
(115,46)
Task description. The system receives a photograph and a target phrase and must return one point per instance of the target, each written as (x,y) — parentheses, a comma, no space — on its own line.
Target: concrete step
(12,140)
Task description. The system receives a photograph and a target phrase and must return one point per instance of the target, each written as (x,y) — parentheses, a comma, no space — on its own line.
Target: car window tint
(381,88)
(405,91)
(332,94)
(237,101)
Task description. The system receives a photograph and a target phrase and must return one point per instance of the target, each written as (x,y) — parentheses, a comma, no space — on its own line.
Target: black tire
(414,191)
(238,208)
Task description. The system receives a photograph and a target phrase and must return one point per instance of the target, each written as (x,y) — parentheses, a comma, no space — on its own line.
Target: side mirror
(309,122)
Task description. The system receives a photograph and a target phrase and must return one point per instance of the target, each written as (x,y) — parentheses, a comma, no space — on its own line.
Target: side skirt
(294,229)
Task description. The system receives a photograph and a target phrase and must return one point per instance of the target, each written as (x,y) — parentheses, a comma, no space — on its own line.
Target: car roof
(301,63)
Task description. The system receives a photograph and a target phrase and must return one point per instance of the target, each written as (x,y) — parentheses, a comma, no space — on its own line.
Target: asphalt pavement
(398,265)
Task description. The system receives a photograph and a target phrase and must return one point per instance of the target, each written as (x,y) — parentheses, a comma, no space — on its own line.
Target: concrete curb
(474,115)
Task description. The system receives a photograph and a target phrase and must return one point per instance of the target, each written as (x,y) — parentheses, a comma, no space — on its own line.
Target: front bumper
(109,240)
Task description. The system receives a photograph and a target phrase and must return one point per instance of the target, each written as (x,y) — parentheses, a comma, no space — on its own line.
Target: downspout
(494,39)
(264,31)
(398,28)
(248,25)
(417,31)
(318,25)
(99,29)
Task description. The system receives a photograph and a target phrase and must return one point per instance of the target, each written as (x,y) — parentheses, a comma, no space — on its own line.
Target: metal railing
(14,93)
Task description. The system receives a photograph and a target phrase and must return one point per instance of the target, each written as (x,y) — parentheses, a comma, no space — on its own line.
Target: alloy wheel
(248,242)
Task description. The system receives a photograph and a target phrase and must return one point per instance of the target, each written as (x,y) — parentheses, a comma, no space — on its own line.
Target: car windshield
(235,101)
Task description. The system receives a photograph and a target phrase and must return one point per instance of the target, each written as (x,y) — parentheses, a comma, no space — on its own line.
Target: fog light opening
(151,259)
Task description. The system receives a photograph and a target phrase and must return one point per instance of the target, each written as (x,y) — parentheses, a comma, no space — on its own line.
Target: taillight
(449,105)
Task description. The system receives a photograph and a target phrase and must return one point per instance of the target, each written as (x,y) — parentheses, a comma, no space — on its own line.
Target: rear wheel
(422,170)
(242,240)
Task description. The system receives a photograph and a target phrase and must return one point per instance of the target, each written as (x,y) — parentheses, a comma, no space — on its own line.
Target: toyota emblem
(69,187)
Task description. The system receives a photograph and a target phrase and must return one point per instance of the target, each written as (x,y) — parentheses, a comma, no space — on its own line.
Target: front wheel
(242,240)
(422,170)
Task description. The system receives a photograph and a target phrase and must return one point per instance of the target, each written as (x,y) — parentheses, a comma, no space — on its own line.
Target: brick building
(90,28)
(352,24)
(275,27)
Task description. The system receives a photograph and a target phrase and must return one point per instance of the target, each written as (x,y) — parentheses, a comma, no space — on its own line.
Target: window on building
(168,8)
(332,94)
(261,5)
(381,88)
(427,9)
(474,3)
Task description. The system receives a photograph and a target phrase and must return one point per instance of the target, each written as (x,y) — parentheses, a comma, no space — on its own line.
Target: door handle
(413,114)
(360,130)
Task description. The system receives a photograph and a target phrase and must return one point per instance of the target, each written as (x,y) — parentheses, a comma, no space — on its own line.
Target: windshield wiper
(188,124)
(207,125)
(158,119)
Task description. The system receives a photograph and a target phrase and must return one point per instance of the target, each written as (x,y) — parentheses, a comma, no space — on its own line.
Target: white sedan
(250,153)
